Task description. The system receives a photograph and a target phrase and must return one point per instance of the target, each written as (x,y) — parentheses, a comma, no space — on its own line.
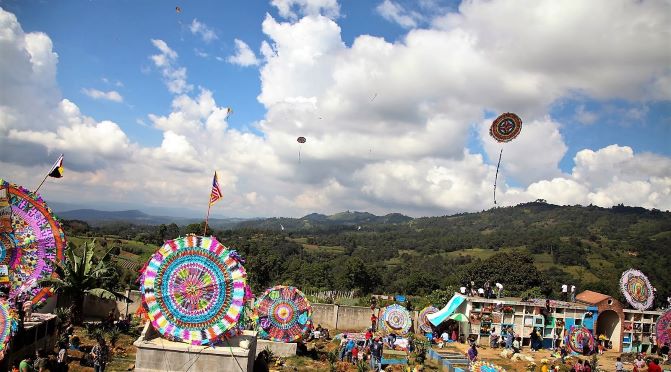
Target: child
(619,367)
(355,353)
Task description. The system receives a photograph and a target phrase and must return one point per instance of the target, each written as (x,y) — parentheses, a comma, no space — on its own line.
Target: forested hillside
(531,248)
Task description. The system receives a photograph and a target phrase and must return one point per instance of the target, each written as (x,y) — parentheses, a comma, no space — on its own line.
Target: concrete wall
(350,318)
(353,318)
(325,314)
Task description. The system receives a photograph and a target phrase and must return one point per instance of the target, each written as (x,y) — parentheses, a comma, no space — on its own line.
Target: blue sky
(584,101)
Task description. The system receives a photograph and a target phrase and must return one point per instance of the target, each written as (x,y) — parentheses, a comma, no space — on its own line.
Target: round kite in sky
(301,140)
(194,289)
(424,323)
(637,289)
(396,319)
(663,328)
(506,127)
(575,337)
(38,242)
(284,314)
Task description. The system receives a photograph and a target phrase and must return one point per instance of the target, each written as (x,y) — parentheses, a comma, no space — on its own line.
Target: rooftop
(591,297)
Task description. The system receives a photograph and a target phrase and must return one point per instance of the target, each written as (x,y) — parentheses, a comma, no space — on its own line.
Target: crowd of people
(361,351)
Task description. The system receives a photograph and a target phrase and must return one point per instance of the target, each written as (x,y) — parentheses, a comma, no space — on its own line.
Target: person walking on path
(100,354)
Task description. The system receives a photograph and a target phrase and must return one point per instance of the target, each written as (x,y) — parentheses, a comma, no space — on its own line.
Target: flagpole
(207,218)
(41,183)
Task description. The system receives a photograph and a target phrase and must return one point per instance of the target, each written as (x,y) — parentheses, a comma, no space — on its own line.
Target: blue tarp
(449,309)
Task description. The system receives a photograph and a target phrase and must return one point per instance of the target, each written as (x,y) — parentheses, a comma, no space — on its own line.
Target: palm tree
(81,275)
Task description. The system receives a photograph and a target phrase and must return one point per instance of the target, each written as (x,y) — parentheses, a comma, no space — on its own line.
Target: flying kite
(178,10)
(504,128)
(300,140)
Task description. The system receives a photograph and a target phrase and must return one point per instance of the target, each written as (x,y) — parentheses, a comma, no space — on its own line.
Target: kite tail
(497,173)
(299,154)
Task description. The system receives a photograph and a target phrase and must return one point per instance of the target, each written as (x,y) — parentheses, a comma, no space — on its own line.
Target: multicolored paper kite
(194,290)
(284,314)
(396,319)
(637,289)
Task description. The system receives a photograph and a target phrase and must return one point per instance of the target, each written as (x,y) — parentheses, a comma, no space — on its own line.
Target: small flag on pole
(57,169)
(216,194)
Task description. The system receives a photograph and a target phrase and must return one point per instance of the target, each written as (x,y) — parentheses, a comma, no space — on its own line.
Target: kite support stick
(497,173)
(207,218)
(41,183)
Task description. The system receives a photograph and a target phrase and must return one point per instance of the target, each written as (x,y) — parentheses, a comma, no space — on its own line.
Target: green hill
(529,247)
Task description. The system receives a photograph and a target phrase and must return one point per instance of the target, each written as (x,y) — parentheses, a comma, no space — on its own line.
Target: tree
(81,275)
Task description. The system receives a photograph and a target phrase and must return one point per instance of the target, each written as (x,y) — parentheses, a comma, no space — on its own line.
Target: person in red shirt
(355,353)
(369,335)
(373,321)
(654,366)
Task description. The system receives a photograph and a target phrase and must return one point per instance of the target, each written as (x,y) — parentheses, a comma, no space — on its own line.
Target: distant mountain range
(314,220)
(96,217)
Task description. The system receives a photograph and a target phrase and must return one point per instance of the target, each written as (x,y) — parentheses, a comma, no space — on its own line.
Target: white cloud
(244,56)
(584,116)
(205,32)
(173,75)
(293,9)
(396,13)
(96,94)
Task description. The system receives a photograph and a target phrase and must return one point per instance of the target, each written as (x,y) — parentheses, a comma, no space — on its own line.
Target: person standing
(654,366)
(509,338)
(472,354)
(100,354)
(62,361)
(499,289)
(376,354)
(572,293)
(564,292)
(373,321)
(619,367)
(26,364)
(42,362)
(343,347)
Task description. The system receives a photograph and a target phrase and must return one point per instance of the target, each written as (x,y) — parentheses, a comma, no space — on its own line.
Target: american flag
(216,194)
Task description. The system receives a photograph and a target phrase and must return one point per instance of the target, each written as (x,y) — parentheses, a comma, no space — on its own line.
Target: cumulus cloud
(201,29)
(396,13)
(173,75)
(96,94)
(243,56)
(388,124)
(293,9)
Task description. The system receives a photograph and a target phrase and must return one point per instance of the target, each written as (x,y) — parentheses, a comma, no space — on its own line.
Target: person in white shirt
(481,292)
(564,292)
(572,293)
(499,289)
(462,290)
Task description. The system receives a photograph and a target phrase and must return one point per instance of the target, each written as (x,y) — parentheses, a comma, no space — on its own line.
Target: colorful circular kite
(396,319)
(575,337)
(424,323)
(506,127)
(481,366)
(637,289)
(194,289)
(284,314)
(38,241)
(7,326)
(663,328)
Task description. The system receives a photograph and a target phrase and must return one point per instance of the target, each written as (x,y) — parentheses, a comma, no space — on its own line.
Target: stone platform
(156,354)
(280,349)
